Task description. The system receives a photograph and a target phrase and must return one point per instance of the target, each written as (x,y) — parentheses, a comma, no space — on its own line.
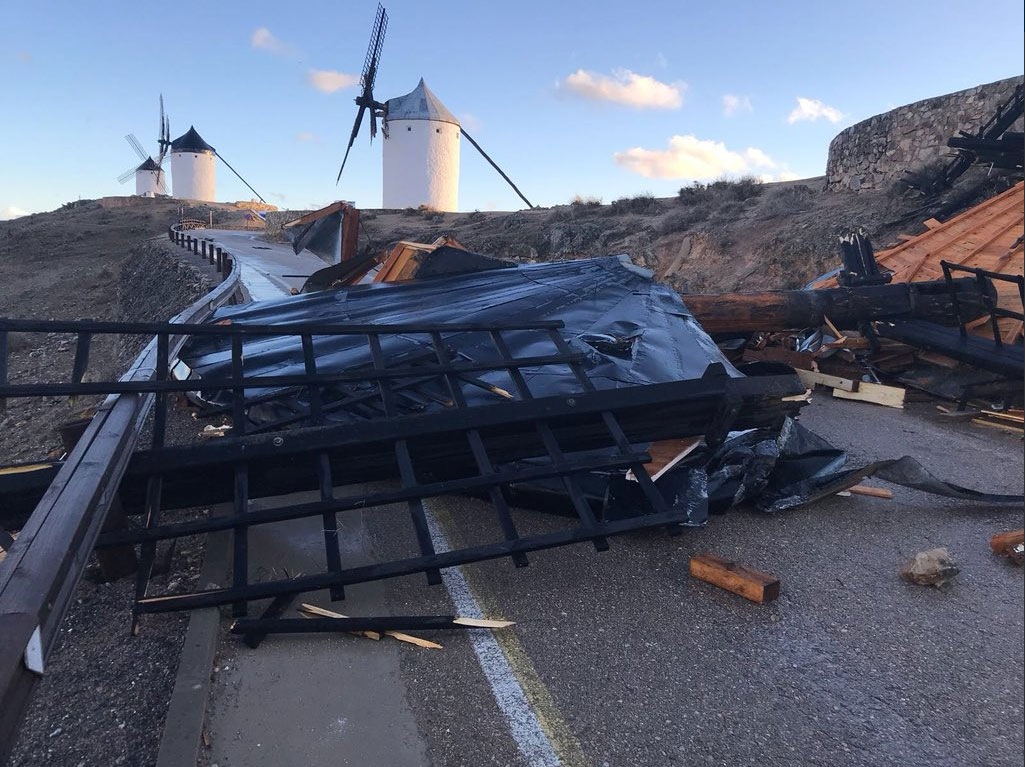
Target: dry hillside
(725,236)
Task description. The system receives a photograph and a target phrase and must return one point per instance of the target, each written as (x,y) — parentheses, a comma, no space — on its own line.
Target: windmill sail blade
(163,133)
(126,175)
(373,57)
(352,139)
(495,166)
(133,142)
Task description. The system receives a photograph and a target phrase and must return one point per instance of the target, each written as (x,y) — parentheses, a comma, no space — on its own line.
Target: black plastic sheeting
(632,330)
(769,472)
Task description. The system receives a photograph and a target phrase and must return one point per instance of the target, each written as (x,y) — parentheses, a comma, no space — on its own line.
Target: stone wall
(874,153)
(277,219)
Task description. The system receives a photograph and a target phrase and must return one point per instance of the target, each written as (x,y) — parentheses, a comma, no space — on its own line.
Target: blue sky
(571,98)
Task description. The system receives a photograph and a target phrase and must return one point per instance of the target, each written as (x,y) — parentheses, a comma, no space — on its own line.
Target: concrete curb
(186,713)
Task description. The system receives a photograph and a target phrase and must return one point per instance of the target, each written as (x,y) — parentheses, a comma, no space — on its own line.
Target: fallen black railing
(454,449)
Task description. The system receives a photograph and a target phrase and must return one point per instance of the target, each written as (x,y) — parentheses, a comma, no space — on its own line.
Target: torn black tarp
(630,330)
(775,471)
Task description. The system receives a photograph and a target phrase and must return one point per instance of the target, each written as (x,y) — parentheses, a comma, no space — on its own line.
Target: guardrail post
(202,248)
(225,267)
(195,246)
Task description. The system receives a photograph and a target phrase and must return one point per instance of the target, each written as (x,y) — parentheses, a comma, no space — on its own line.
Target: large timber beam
(846,308)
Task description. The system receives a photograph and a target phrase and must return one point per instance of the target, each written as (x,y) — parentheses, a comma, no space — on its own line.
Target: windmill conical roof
(148,164)
(419,104)
(191,141)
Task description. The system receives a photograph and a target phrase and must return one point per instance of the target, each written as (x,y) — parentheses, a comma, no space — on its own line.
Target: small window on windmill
(409,127)
(437,130)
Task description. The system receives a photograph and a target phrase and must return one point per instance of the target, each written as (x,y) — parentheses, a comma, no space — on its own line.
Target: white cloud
(307,136)
(329,81)
(627,88)
(11,211)
(732,103)
(265,40)
(813,109)
(692,158)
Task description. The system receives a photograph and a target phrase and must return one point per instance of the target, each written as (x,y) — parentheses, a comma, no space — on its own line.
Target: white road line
(512,701)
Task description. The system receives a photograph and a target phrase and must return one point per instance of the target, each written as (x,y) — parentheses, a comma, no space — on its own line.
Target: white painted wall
(148,183)
(421,165)
(192,175)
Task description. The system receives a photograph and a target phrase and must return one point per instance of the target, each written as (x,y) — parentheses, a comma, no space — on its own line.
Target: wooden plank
(941,360)
(665,454)
(1003,541)
(810,378)
(997,425)
(878,394)
(1004,416)
(931,223)
(750,584)
(873,492)
(833,329)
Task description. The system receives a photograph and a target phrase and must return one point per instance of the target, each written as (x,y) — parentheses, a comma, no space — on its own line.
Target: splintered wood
(307,609)
(750,584)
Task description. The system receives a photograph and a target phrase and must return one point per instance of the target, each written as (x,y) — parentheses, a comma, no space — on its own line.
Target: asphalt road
(636,663)
(620,658)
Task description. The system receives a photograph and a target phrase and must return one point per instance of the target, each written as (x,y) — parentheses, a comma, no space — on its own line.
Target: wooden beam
(845,307)
(878,394)
(750,584)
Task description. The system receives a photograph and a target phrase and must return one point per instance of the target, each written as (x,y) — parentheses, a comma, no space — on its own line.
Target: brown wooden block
(1003,541)
(750,584)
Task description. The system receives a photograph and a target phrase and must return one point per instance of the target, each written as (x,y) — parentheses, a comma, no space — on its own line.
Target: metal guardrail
(45,563)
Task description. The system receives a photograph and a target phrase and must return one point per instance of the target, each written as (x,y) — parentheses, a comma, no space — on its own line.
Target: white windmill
(193,167)
(150,179)
(421,139)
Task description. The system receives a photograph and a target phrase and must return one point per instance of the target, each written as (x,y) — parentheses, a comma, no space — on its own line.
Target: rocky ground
(84,260)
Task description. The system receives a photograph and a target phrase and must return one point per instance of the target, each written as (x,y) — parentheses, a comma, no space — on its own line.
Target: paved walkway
(266,266)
